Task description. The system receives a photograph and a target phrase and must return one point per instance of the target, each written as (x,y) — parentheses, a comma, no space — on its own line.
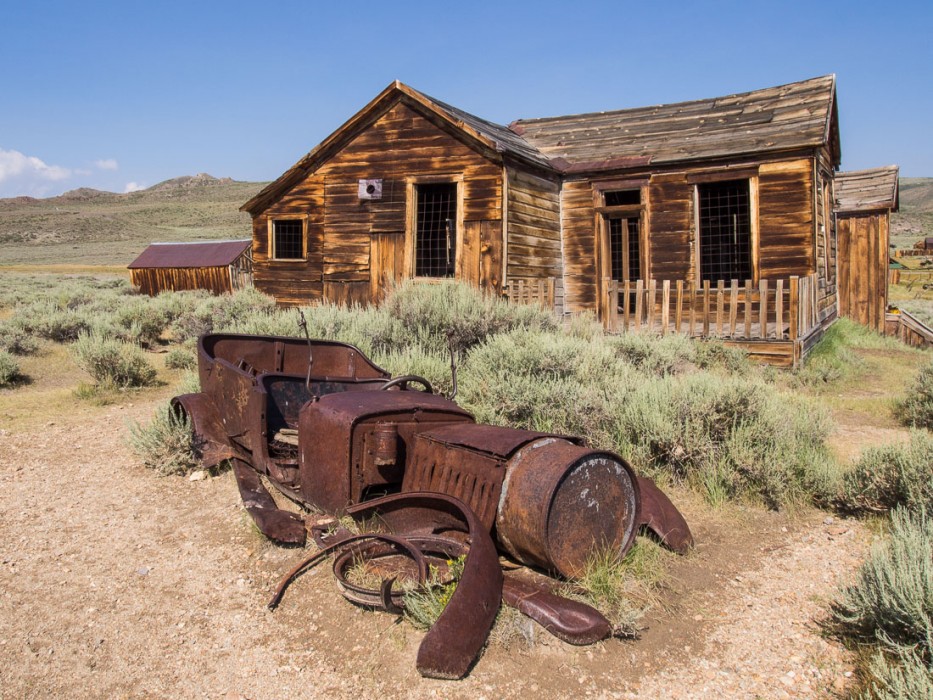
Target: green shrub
(16,340)
(9,369)
(113,363)
(917,408)
(48,320)
(890,476)
(423,605)
(140,321)
(903,677)
(891,601)
(166,444)
(180,358)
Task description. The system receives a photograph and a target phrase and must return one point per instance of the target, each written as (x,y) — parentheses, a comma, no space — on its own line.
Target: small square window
(621,198)
(288,239)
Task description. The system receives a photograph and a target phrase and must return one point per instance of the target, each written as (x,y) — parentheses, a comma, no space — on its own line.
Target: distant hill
(915,218)
(89,226)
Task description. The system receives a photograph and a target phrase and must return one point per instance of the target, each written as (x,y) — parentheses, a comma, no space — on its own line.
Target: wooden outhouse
(711,217)
(864,202)
(217,266)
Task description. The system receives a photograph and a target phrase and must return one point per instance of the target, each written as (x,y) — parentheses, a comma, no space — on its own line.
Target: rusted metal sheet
(569,620)
(193,254)
(661,516)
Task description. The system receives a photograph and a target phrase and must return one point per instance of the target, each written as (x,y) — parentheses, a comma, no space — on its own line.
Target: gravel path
(117,583)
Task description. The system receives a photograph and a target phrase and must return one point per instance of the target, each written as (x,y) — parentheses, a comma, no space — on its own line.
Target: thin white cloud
(17,166)
(132,187)
(107,164)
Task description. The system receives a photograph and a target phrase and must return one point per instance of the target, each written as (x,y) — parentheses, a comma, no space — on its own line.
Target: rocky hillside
(915,218)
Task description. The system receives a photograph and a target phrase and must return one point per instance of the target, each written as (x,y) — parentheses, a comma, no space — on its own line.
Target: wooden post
(650,302)
(733,306)
(607,285)
(551,300)
(693,310)
(792,307)
(706,308)
(720,311)
(614,306)
(626,305)
(639,289)
(763,309)
(679,313)
(779,310)
(748,309)
(665,305)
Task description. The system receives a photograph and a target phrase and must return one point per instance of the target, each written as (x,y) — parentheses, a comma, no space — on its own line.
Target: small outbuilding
(864,202)
(217,266)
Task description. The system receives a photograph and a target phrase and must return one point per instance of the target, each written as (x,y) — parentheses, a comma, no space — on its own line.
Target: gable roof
(195,254)
(490,138)
(867,190)
(786,117)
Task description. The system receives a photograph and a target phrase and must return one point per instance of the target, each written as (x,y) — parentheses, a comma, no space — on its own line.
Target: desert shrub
(726,435)
(660,355)
(432,313)
(190,383)
(16,340)
(891,601)
(917,408)
(223,313)
(898,677)
(111,362)
(180,358)
(46,319)
(139,321)
(890,476)
(833,359)
(166,444)
(423,605)
(9,369)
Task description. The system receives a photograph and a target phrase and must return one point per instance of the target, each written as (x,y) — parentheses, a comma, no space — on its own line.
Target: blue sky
(123,95)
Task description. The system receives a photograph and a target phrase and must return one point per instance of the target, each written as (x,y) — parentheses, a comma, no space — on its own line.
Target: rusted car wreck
(335,433)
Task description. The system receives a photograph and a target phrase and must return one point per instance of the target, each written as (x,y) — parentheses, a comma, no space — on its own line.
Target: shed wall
(863,268)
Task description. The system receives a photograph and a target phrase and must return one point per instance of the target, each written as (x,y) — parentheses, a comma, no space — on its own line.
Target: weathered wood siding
(355,246)
(533,230)
(578,221)
(671,221)
(151,281)
(785,218)
(863,266)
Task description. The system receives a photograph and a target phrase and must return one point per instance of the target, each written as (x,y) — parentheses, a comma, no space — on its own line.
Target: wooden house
(710,217)
(864,202)
(217,266)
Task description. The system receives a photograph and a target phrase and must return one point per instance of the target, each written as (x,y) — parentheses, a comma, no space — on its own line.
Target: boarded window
(725,231)
(288,239)
(436,232)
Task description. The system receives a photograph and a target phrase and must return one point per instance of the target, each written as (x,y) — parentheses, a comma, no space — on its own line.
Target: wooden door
(386,260)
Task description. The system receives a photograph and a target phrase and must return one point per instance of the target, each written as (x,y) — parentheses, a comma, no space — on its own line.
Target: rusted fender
(661,516)
(273,522)
(210,438)
(455,641)
(569,620)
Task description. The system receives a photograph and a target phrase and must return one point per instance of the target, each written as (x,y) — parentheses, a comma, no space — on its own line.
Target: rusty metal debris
(331,430)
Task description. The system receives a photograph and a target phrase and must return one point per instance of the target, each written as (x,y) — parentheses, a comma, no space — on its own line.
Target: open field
(158,584)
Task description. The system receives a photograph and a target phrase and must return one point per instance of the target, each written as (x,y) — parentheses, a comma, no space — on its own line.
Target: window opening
(287,239)
(725,231)
(621,198)
(436,231)
(624,252)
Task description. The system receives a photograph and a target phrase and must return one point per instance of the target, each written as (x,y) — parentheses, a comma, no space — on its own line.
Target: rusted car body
(336,433)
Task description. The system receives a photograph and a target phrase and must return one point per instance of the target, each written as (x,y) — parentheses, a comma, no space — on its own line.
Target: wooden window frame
(411,222)
(751,175)
(304,218)
(627,211)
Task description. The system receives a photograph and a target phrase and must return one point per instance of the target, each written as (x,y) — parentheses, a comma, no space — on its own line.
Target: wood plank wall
(863,266)
(151,281)
(786,210)
(534,248)
(346,234)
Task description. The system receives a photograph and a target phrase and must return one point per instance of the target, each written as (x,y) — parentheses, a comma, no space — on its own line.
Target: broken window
(436,230)
(725,230)
(288,239)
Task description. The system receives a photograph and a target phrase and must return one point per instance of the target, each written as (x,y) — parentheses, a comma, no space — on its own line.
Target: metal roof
(194,254)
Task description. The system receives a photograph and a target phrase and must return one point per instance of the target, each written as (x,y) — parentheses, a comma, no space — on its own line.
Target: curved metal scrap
(455,641)
(568,620)
(661,516)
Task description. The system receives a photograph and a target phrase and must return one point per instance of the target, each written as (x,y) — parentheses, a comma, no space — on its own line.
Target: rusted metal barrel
(561,502)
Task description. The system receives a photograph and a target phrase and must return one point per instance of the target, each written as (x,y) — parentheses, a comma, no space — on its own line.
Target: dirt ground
(115,582)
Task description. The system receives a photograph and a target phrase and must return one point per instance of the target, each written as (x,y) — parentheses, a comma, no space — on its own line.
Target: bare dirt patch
(117,583)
